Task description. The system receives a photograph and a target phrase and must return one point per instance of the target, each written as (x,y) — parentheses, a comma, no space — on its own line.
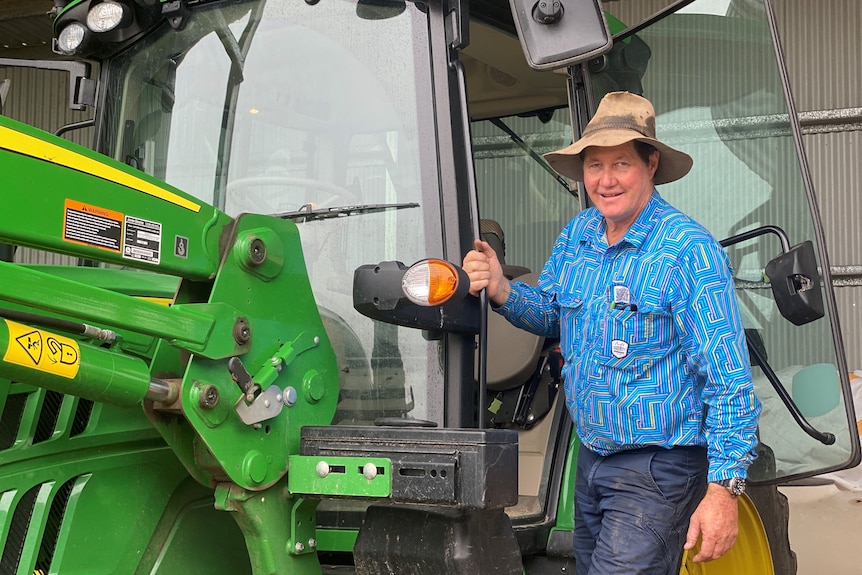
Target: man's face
(619,183)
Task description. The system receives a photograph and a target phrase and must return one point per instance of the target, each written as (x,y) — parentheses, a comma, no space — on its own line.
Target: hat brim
(672,165)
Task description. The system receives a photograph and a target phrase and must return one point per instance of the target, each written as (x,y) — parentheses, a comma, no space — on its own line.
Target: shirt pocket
(572,321)
(633,340)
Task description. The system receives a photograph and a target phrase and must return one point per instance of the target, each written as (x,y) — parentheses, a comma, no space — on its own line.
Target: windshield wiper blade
(307,214)
(533,154)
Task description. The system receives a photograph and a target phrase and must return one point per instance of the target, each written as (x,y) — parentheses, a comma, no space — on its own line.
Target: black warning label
(92,226)
(143,240)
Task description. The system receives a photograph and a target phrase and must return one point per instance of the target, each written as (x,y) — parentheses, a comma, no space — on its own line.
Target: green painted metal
(340,476)
(136,283)
(151,286)
(288,349)
(34,289)
(279,528)
(177,546)
(101,375)
(566,504)
(100,494)
(57,182)
(238,443)
(336,539)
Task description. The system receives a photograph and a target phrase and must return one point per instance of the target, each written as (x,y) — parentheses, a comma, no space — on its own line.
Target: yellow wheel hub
(749,555)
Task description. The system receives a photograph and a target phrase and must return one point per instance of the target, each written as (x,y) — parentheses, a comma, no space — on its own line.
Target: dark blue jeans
(632,509)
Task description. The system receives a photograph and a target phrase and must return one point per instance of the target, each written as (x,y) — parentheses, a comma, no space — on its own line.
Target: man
(656,372)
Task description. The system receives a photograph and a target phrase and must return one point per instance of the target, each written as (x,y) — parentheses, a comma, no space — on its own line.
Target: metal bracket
(266,406)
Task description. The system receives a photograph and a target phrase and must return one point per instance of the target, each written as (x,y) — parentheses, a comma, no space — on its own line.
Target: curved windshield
(275,107)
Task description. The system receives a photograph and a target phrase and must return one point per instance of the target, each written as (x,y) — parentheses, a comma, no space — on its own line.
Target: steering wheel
(331,193)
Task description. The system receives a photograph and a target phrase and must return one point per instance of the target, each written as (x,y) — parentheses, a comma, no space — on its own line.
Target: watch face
(737,486)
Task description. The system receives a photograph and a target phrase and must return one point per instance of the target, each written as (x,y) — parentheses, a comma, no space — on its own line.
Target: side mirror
(378,293)
(796,284)
(560,33)
(82,89)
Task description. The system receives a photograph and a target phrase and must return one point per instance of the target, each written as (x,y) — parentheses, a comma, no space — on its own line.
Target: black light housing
(84,27)
(378,293)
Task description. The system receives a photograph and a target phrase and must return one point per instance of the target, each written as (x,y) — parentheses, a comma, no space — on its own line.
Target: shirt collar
(640,230)
(637,234)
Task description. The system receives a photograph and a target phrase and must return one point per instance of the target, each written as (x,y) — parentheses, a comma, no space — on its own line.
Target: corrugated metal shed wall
(40,98)
(821,42)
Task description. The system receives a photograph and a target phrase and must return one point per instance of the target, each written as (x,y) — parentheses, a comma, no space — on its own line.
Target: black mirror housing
(560,33)
(796,284)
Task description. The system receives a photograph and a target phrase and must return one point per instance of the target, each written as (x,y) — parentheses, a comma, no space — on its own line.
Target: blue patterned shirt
(650,331)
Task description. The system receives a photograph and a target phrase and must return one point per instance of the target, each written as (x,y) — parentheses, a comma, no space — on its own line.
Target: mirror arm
(762,230)
(74,126)
(825,438)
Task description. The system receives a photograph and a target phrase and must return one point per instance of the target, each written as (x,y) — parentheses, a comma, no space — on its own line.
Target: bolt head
(208,397)
(369,470)
(256,252)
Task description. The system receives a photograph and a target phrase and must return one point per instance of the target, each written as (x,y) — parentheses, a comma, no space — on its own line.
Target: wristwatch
(736,485)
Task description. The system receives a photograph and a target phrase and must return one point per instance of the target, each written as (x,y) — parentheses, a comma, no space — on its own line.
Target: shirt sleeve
(712,336)
(535,308)
(531,308)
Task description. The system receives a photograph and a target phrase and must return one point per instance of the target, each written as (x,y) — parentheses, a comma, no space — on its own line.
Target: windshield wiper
(533,154)
(307,214)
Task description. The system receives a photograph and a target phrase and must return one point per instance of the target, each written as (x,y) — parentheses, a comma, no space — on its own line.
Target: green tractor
(265,360)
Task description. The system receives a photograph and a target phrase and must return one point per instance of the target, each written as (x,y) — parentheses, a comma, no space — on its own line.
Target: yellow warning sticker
(42,350)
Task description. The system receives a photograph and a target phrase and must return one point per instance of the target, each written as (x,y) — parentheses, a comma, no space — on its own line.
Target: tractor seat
(513,353)
(492,232)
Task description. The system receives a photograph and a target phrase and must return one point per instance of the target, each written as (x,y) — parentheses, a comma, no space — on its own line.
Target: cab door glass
(712,74)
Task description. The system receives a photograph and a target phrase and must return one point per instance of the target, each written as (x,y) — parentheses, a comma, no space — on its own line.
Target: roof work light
(85,27)
(71,38)
(106,16)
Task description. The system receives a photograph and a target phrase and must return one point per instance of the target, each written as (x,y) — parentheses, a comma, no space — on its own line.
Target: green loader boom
(227,373)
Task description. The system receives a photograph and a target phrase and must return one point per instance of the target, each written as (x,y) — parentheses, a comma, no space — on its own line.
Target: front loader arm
(64,198)
(243,293)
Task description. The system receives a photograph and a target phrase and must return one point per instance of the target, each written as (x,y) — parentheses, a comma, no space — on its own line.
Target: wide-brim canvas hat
(621,117)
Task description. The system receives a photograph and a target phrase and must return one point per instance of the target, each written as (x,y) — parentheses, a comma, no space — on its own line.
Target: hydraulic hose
(104,335)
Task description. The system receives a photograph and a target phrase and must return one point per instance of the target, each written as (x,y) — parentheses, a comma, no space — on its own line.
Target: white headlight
(105,16)
(71,37)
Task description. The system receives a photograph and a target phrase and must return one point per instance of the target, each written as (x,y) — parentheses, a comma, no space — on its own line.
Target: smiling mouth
(616,195)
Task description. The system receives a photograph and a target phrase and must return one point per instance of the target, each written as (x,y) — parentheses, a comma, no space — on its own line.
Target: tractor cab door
(717,78)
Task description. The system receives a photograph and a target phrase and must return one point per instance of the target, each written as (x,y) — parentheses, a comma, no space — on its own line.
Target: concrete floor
(826,529)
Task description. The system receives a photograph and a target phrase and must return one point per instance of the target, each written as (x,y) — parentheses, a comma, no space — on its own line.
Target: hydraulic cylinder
(44,359)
